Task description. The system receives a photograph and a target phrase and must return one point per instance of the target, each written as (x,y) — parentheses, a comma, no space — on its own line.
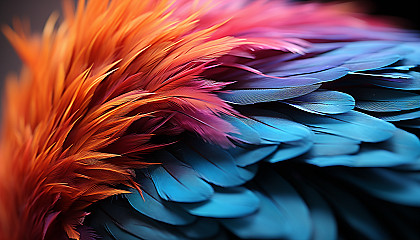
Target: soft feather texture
(82,88)
(106,90)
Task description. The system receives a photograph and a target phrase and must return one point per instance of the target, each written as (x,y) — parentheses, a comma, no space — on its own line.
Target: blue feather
(362,48)
(225,203)
(323,219)
(401,148)
(399,116)
(251,96)
(411,81)
(151,205)
(118,233)
(118,221)
(322,101)
(412,58)
(310,65)
(289,150)
(247,155)
(275,128)
(282,213)
(379,59)
(385,100)
(340,33)
(272,83)
(247,173)
(332,145)
(352,124)
(328,74)
(212,163)
(202,228)
(354,212)
(177,182)
(373,158)
(99,222)
(245,133)
(129,225)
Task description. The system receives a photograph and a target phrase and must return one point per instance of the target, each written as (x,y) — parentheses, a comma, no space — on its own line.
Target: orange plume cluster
(109,64)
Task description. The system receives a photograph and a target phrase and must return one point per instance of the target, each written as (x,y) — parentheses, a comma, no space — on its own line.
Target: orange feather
(107,65)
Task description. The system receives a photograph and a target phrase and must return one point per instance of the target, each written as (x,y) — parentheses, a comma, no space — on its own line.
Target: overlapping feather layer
(266,120)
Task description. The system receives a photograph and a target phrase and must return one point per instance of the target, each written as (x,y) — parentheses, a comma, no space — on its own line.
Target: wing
(327,147)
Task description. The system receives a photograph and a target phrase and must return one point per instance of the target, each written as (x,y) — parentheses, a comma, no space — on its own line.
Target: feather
(134,226)
(385,100)
(247,155)
(289,150)
(332,145)
(413,57)
(212,163)
(376,60)
(356,215)
(279,204)
(404,81)
(225,203)
(401,148)
(244,133)
(317,64)
(363,127)
(399,116)
(275,128)
(285,79)
(175,181)
(329,102)
(323,221)
(151,205)
(251,96)
(202,228)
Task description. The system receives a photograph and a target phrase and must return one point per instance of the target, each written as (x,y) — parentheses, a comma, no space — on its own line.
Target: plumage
(385,100)
(150,204)
(282,214)
(212,119)
(328,102)
(176,181)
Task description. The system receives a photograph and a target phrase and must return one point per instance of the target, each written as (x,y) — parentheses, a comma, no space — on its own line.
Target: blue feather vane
(332,140)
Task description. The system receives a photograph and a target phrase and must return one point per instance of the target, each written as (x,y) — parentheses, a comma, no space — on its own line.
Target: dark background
(37,11)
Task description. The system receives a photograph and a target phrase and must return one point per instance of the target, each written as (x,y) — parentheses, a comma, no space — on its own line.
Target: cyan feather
(332,145)
(178,182)
(354,212)
(385,100)
(352,124)
(251,96)
(233,202)
(324,225)
(150,204)
(211,162)
(400,149)
(245,155)
(282,214)
(290,150)
(324,101)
